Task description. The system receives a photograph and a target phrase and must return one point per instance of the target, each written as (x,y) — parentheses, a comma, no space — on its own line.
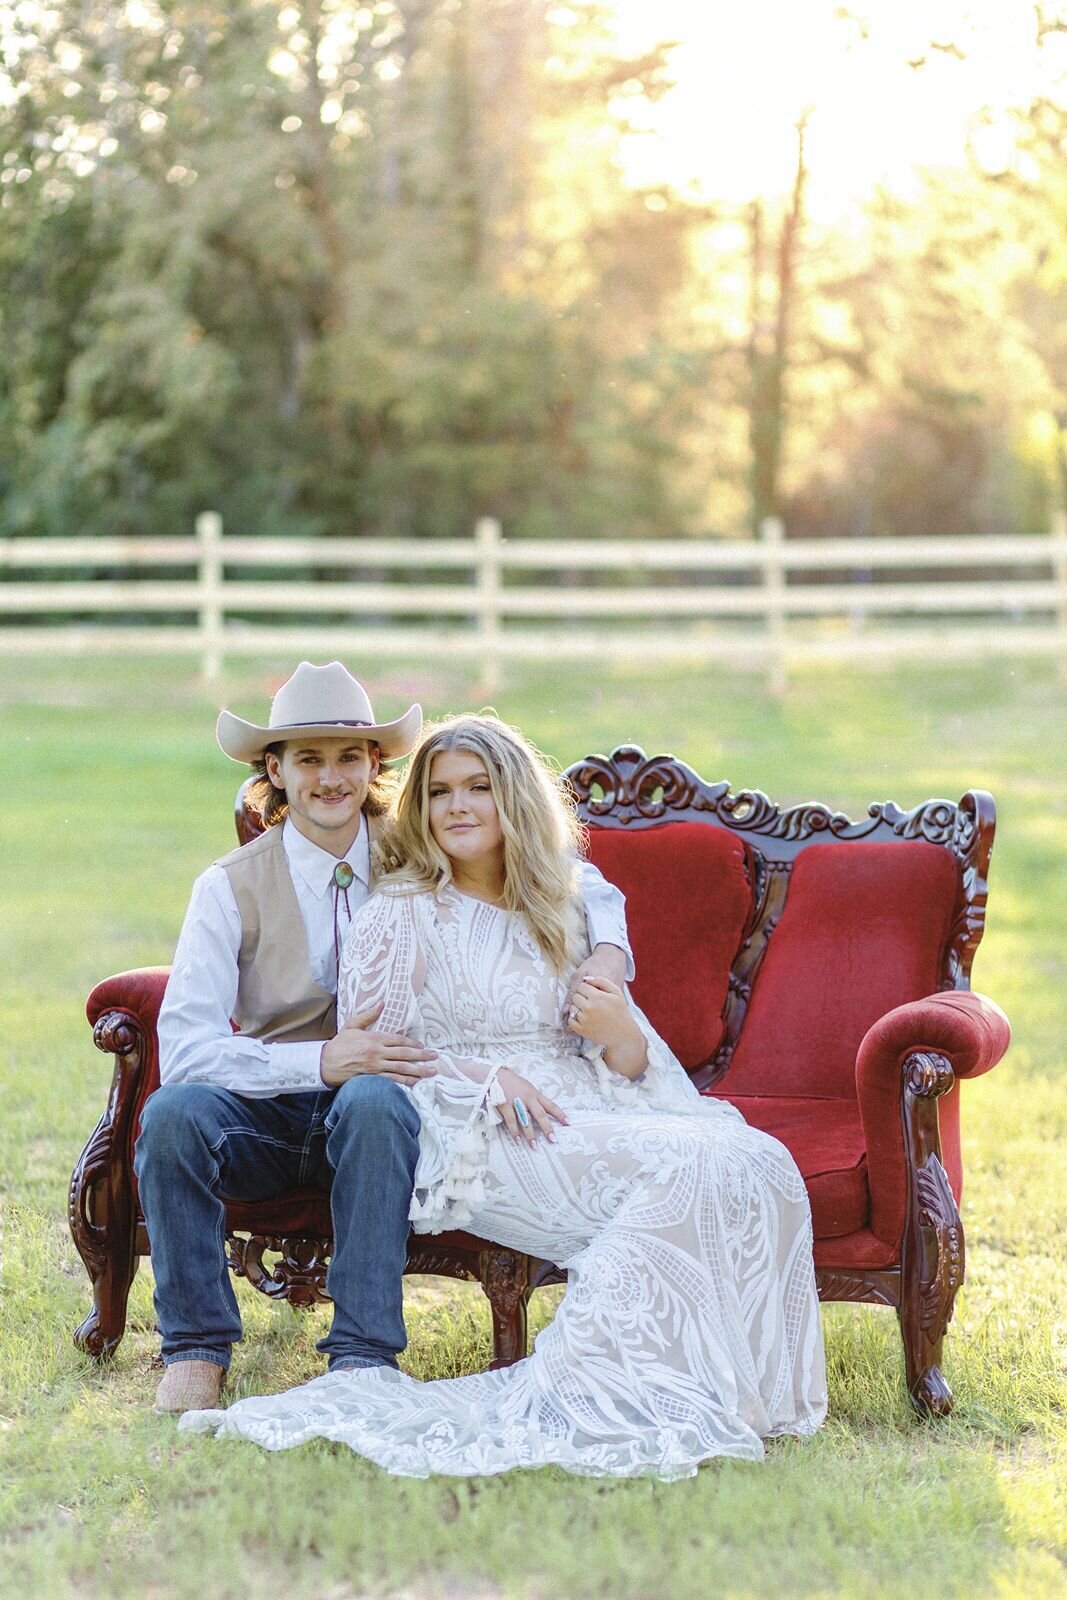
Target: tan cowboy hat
(318,701)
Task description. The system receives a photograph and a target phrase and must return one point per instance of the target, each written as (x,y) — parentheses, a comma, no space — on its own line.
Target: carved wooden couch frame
(909,1058)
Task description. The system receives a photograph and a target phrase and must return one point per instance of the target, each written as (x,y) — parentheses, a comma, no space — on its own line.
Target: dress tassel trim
(450,1179)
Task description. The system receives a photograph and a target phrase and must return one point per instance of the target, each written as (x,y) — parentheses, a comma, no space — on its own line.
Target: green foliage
(118,797)
(326,274)
(377,269)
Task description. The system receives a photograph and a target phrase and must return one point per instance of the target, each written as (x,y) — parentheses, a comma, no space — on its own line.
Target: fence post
(487,534)
(1059,576)
(772,534)
(209,538)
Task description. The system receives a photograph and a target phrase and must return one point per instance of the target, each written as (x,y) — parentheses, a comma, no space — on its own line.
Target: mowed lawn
(116,796)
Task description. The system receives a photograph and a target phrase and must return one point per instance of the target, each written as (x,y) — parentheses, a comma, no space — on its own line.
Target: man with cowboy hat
(278,1099)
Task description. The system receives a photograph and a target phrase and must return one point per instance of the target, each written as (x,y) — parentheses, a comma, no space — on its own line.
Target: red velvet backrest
(688,895)
(863,930)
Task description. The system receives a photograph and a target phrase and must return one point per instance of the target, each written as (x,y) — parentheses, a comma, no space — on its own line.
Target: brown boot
(189,1386)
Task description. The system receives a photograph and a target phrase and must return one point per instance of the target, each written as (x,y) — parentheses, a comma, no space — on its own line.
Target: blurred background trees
(381,268)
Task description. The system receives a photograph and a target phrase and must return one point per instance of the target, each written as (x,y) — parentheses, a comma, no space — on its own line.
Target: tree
(333,274)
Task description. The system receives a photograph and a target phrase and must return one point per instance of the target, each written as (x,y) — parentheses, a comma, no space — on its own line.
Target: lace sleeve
(664,1083)
(384,962)
(381,963)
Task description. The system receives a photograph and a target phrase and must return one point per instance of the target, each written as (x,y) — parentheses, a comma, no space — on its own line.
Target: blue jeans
(198,1143)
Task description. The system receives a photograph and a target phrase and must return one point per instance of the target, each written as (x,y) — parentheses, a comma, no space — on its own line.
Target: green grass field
(119,797)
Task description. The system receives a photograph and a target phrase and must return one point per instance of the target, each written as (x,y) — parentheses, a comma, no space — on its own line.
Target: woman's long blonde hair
(541,832)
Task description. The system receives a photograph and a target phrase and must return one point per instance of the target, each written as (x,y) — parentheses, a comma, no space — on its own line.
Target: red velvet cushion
(687,894)
(855,1252)
(294,1212)
(825,1139)
(306,1212)
(863,930)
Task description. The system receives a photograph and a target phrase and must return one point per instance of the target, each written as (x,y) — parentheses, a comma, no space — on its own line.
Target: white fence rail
(758,601)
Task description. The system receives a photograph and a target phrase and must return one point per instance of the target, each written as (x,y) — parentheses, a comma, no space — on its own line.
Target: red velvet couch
(811,970)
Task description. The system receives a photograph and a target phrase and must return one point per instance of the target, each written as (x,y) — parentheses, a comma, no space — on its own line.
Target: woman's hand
(598,1011)
(541,1112)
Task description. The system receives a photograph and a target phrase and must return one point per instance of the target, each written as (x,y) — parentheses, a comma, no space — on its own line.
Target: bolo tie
(342,882)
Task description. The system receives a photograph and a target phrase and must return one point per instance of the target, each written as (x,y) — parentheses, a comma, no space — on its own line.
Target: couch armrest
(124,1013)
(968,1029)
(907,1083)
(139,993)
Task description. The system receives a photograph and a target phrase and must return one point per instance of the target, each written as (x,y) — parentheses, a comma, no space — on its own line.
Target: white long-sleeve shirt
(196,1041)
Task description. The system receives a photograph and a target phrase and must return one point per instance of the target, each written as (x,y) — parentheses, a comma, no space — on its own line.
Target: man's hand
(355,1050)
(606,961)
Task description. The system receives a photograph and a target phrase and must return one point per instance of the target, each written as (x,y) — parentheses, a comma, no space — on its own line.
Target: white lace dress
(690,1326)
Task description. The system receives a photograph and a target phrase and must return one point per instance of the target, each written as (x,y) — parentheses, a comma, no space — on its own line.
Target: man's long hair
(541,832)
(273,804)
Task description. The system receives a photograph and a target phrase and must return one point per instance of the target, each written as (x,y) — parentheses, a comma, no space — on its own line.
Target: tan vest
(277,997)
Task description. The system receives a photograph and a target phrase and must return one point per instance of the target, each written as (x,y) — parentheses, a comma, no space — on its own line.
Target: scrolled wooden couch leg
(932,1254)
(101,1332)
(100,1204)
(505,1278)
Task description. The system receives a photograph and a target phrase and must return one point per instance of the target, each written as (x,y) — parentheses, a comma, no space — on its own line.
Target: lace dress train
(690,1325)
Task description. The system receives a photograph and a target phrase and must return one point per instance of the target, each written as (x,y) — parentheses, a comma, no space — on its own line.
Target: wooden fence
(754,602)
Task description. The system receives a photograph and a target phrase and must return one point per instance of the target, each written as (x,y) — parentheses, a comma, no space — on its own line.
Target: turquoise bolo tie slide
(343,875)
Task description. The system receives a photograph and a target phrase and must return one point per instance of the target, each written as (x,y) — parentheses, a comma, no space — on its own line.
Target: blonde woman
(563,1127)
